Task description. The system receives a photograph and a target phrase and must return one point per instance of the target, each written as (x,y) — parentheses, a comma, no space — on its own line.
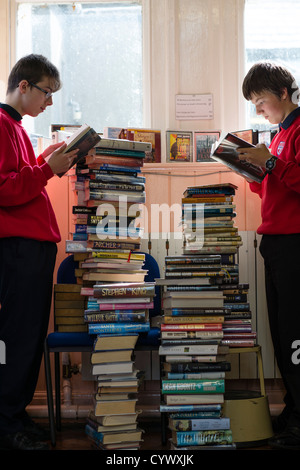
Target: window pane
(271,33)
(97,48)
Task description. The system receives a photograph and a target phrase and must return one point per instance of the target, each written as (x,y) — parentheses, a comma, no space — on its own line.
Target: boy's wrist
(271,163)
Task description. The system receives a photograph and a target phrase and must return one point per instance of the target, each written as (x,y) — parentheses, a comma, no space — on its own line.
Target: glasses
(48,94)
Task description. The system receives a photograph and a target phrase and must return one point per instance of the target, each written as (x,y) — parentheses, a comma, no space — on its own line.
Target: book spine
(126,306)
(203,438)
(195,319)
(202,424)
(95,328)
(192,326)
(193,386)
(189,408)
(198,367)
(119,152)
(124,291)
(115,317)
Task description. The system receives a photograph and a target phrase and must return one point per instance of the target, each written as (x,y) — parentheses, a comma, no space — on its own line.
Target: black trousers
(26,280)
(281,255)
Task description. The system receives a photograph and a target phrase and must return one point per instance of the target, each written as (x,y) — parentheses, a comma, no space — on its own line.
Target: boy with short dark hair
(28,237)
(274,92)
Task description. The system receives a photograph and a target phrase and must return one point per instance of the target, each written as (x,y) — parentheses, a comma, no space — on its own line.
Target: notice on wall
(194,107)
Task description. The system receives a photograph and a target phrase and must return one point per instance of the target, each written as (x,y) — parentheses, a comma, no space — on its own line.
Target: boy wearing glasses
(274,92)
(28,237)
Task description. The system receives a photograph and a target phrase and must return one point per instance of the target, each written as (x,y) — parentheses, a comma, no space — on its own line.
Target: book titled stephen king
(225,151)
(84,139)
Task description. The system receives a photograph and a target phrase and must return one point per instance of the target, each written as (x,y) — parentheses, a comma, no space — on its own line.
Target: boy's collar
(11,111)
(290,119)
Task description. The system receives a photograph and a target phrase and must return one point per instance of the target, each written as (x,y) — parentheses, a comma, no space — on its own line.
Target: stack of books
(202,303)
(110,272)
(119,308)
(69,307)
(193,368)
(112,422)
(116,314)
(208,228)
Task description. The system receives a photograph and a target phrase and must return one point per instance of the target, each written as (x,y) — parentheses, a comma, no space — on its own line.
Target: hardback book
(114,437)
(226,189)
(124,290)
(125,144)
(115,407)
(223,366)
(112,367)
(193,349)
(102,357)
(199,424)
(84,138)
(104,328)
(198,399)
(112,342)
(225,152)
(202,437)
(114,420)
(193,386)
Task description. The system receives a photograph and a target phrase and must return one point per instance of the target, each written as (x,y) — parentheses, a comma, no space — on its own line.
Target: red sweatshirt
(280,191)
(25,208)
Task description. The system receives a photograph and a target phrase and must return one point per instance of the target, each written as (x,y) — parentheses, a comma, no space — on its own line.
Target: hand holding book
(257,155)
(57,159)
(230,150)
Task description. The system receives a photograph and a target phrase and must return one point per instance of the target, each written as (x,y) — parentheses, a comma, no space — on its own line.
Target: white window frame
(13,7)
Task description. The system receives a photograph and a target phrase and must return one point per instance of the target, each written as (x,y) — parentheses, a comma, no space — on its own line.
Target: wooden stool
(249,413)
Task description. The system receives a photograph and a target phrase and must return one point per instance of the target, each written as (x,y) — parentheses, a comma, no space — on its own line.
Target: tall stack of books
(208,228)
(202,304)
(194,364)
(69,307)
(109,189)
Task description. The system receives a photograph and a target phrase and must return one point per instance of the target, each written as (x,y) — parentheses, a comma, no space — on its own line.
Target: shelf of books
(205,313)
(106,243)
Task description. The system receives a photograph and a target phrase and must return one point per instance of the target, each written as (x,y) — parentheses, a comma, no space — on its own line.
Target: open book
(84,139)
(225,152)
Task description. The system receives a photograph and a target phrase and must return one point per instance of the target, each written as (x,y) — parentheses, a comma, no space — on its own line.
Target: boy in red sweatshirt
(28,237)
(274,92)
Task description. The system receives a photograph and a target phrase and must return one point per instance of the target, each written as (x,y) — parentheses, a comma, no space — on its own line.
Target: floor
(72,437)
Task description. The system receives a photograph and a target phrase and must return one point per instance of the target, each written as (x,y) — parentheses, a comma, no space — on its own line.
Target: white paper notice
(194,107)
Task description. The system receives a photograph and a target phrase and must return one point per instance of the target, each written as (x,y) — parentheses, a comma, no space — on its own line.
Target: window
(97,48)
(271,33)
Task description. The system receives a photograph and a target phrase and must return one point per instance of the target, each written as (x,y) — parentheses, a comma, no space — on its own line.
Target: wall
(191,47)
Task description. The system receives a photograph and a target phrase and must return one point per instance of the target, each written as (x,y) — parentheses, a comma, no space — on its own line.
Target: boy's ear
(23,85)
(284,94)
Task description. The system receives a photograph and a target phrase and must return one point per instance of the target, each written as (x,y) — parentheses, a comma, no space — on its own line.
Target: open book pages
(225,152)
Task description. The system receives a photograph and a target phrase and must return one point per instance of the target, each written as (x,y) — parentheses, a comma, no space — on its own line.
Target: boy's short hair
(33,68)
(271,77)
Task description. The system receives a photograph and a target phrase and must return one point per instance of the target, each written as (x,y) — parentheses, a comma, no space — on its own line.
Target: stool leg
(57,391)
(261,373)
(49,393)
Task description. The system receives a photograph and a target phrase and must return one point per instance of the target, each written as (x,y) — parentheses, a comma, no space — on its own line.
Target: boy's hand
(59,161)
(257,155)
